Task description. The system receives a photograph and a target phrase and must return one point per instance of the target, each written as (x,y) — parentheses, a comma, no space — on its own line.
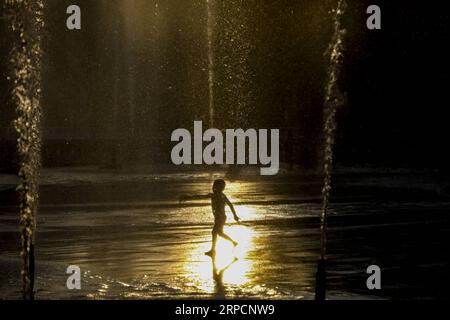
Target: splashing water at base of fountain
(333,100)
(26,22)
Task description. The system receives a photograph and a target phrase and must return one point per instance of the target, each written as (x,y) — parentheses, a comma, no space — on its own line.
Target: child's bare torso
(218,207)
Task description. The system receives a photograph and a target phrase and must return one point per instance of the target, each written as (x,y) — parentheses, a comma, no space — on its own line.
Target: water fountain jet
(26,23)
(333,100)
(210,33)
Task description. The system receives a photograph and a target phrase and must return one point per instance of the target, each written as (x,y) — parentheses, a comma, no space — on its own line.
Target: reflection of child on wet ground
(218,201)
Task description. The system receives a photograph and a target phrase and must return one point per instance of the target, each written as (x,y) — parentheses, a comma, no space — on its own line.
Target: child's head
(218,186)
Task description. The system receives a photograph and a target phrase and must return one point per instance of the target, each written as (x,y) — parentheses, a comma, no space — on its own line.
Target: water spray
(333,100)
(210,34)
(26,23)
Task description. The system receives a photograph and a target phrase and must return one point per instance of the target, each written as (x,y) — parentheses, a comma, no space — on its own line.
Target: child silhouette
(218,201)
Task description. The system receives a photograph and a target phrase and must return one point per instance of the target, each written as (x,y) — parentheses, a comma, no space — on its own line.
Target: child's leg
(227,237)
(212,252)
(214,240)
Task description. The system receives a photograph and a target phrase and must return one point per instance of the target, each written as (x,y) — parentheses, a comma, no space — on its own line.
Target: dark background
(114,91)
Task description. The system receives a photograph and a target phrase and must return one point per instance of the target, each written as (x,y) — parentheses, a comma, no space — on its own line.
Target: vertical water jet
(210,34)
(333,100)
(26,23)
(130,12)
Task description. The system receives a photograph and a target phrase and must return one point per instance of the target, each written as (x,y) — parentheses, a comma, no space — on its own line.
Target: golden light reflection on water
(231,266)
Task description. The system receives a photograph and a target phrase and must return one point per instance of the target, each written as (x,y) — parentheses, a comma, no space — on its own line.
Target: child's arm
(232,208)
(195,197)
